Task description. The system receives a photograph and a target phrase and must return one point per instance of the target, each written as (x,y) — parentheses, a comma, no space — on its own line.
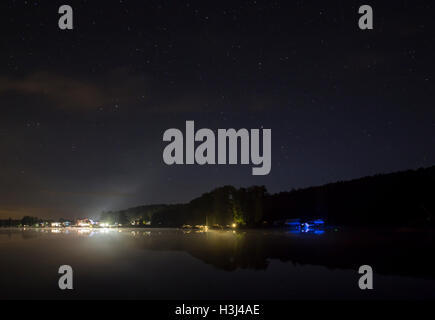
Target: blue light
(318,221)
(293,222)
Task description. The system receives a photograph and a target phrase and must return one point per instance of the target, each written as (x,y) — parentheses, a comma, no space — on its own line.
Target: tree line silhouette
(404,198)
(398,199)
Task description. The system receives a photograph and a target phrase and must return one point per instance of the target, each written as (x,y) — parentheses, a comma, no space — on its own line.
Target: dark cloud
(63,92)
(77,93)
(115,88)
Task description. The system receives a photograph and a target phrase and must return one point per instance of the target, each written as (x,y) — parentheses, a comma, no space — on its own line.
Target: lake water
(177,264)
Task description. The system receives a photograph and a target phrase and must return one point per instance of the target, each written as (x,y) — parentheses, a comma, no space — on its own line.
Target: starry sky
(83,111)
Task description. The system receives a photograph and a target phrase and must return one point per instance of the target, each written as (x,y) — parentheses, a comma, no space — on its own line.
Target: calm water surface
(175,264)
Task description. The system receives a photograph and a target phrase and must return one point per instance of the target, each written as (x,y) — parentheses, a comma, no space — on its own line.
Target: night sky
(83,111)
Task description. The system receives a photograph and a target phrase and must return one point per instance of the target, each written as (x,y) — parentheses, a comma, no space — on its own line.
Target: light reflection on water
(193,264)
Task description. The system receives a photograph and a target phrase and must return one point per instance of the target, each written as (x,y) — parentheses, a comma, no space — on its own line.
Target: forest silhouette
(397,199)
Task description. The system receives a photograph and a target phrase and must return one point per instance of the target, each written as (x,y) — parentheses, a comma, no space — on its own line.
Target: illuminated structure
(84,222)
